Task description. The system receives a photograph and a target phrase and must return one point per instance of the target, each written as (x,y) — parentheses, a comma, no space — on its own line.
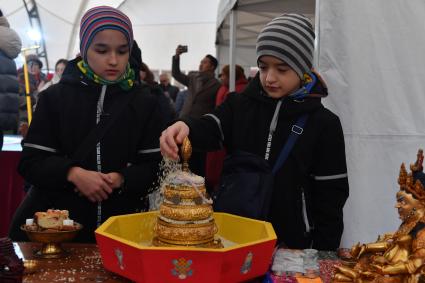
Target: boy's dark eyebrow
(283,64)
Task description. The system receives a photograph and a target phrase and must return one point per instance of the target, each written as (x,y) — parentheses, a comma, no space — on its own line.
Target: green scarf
(126,81)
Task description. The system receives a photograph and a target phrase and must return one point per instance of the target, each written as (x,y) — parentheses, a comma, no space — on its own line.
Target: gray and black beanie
(290,38)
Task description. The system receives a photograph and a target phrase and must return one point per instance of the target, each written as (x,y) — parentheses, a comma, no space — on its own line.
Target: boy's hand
(171,138)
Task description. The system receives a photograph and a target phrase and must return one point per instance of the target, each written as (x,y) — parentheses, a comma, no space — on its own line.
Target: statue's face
(406,205)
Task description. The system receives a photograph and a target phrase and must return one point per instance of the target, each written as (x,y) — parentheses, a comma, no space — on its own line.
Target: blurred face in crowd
(33,68)
(224,79)
(108,54)
(60,68)
(277,78)
(142,75)
(206,65)
(163,79)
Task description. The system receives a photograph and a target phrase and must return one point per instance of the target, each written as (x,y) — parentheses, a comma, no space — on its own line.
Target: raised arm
(175,67)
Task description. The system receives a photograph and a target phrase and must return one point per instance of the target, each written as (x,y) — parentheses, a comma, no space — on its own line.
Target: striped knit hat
(290,38)
(100,18)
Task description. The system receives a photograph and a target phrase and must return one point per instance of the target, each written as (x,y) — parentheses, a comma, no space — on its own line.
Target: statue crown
(406,180)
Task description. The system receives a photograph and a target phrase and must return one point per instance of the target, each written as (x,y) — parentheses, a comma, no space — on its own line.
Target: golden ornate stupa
(186,215)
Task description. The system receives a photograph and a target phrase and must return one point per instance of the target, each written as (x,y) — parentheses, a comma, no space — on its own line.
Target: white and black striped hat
(289,37)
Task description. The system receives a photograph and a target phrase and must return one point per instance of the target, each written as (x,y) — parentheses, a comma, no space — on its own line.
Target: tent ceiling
(59,20)
(251,16)
(158,24)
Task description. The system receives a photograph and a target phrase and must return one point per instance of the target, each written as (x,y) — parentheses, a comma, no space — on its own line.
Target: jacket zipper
(272,129)
(99,111)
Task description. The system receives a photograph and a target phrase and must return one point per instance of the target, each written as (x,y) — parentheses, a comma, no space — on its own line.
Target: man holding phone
(202,86)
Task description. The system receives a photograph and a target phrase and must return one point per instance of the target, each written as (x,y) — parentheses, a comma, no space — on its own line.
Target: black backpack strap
(296,131)
(101,128)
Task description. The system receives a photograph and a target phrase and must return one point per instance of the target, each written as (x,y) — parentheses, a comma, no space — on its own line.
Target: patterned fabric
(101,18)
(307,84)
(126,81)
(290,38)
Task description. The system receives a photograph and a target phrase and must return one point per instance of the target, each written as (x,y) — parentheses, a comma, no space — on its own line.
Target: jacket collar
(290,106)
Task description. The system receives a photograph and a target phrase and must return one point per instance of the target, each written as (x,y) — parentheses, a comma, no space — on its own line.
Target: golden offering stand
(186,214)
(51,241)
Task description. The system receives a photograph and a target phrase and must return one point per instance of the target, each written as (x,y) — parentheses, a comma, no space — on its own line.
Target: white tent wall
(161,41)
(371,56)
(251,17)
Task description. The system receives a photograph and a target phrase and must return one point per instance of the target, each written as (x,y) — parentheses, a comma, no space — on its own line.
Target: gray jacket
(10,47)
(202,87)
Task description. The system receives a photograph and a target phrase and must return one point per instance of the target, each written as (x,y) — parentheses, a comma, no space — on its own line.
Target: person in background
(99,88)
(147,77)
(36,79)
(10,47)
(202,89)
(214,163)
(59,68)
(202,85)
(311,186)
(168,89)
(181,98)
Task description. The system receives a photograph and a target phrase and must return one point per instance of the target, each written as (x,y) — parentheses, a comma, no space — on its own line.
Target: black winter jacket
(315,168)
(9,93)
(64,116)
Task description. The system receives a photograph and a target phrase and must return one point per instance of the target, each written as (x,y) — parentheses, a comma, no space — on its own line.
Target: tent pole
(232,45)
(317,32)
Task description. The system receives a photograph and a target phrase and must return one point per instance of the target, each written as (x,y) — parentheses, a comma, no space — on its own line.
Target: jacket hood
(10,42)
(4,22)
(72,74)
(291,106)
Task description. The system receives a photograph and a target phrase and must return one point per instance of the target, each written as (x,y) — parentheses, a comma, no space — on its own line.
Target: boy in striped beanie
(290,39)
(278,119)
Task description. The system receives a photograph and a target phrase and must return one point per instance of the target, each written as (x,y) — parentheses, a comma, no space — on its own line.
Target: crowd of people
(103,123)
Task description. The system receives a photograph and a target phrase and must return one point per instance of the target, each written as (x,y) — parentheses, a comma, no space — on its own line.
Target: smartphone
(183,48)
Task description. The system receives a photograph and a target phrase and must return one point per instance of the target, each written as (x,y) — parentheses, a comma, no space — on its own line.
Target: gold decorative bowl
(183,192)
(186,212)
(52,240)
(194,233)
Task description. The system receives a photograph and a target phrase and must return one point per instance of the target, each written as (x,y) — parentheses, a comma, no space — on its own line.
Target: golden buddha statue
(397,257)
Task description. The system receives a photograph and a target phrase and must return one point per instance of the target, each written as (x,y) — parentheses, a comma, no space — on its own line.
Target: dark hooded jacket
(10,47)
(65,115)
(312,183)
